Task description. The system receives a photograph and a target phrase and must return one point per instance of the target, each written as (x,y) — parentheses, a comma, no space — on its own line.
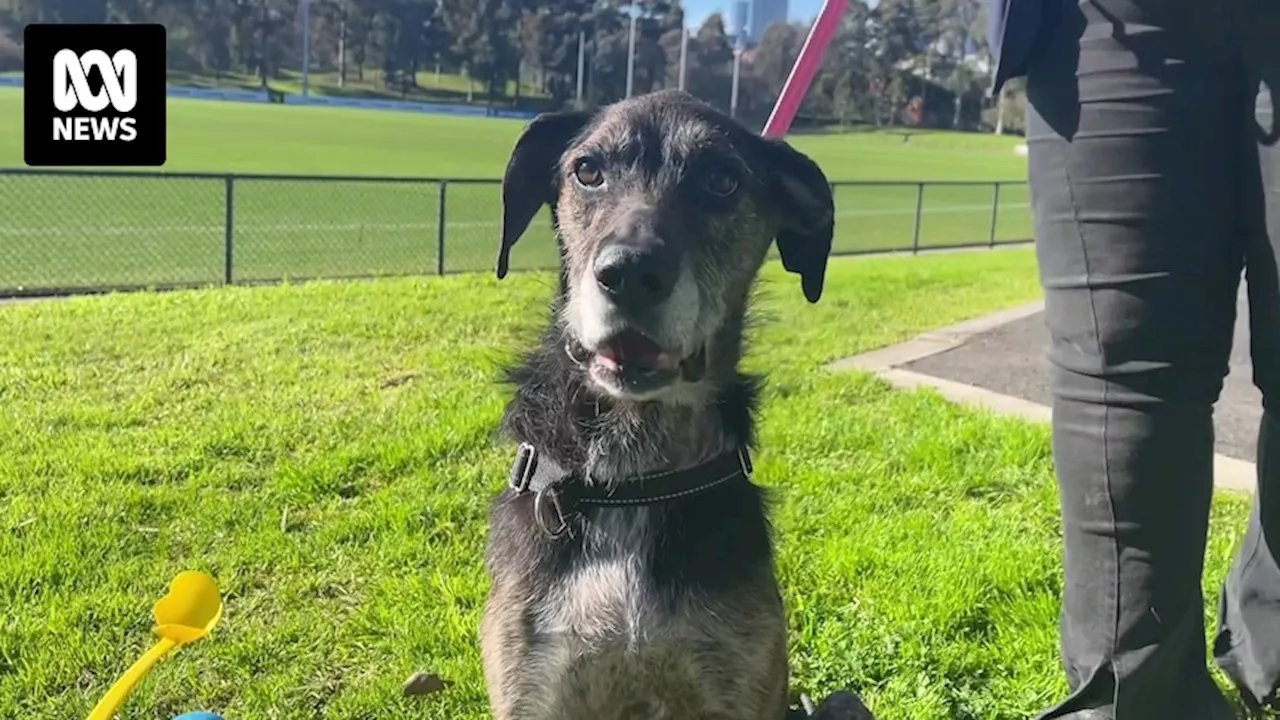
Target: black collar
(559,492)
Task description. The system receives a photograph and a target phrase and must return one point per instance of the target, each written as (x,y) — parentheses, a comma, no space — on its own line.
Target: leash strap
(559,492)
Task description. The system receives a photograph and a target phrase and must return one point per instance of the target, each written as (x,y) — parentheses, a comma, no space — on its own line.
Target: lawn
(327,450)
(206,136)
(444,87)
(90,231)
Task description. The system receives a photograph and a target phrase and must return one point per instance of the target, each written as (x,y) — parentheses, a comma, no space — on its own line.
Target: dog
(630,561)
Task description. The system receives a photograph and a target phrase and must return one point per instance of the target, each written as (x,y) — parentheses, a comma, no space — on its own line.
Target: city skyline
(697,11)
(764,13)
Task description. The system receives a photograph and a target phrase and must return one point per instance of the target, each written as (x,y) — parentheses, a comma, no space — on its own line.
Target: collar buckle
(744,462)
(523,468)
(558,493)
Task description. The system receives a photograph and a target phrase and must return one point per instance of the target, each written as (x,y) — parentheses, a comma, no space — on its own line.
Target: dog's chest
(623,626)
(607,599)
(607,642)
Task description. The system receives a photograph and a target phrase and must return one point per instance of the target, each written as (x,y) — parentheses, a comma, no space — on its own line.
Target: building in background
(739,23)
(763,14)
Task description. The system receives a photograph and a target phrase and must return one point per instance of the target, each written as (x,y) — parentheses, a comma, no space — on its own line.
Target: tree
(711,63)
(777,52)
(484,33)
(897,47)
(59,11)
(334,18)
(672,37)
(880,59)
(845,87)
(549,41)
(651,59)
(267,25)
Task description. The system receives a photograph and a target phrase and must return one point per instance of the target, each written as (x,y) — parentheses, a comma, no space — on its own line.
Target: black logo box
(41,43)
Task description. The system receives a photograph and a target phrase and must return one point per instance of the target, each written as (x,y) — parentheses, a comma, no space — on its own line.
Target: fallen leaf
(424,683)
(398,379)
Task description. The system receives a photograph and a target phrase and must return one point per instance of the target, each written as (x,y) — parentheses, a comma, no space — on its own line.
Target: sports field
(327,451)
(75,231)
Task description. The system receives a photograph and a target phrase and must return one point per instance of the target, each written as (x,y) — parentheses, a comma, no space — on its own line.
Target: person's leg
(1248,642)
(1135,199)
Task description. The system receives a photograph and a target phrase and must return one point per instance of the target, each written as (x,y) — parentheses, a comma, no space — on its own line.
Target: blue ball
(198,715)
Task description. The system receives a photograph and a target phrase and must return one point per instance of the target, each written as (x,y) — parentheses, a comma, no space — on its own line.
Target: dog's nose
(636,278)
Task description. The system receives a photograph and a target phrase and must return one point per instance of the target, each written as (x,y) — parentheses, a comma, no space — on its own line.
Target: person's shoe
(840,705)
(1266,711)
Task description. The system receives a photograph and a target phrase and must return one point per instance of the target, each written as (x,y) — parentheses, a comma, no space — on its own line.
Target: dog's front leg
(502,652)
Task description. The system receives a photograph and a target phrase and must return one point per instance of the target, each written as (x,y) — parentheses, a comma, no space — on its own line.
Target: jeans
(1155,181)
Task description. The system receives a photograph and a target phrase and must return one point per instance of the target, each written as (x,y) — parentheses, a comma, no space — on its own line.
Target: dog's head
(665,209)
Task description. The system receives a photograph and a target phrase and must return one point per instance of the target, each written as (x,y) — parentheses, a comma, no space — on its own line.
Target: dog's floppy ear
(530,180)
(806,212)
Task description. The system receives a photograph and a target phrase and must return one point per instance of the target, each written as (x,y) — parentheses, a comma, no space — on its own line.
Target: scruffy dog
(631,563)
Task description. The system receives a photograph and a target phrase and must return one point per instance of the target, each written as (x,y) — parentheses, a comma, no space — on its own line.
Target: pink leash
(806,67)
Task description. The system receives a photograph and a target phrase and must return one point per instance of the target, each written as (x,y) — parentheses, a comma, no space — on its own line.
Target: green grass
(82,231)
(327,451)
(209,136)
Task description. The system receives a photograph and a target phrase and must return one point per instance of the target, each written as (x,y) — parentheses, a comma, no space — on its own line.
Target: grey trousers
(1155,181)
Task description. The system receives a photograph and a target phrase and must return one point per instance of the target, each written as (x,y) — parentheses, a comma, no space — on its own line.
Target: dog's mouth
(633,352)
(632,363)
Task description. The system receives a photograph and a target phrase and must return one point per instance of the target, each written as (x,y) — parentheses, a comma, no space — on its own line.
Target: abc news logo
(94,95)
(71,91)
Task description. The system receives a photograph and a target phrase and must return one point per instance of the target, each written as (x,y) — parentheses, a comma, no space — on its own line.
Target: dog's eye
(721,183)
(587,172)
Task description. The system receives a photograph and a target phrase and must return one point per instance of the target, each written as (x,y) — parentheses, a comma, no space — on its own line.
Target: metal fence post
(835,212)
(995,212)
(440,226)
(229,272)
(915,239)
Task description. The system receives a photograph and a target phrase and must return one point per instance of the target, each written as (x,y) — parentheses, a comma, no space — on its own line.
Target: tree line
(899,62)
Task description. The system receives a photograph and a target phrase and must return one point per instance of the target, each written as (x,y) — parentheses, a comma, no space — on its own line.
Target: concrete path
(998,362)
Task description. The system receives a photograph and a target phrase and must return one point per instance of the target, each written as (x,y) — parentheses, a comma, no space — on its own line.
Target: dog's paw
(842,706)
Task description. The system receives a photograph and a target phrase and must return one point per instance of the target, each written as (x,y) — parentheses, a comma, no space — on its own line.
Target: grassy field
(82,231)
(327,452)
(445,87)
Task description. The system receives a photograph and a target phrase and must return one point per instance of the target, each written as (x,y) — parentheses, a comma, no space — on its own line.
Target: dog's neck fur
(557,409)
(705,543)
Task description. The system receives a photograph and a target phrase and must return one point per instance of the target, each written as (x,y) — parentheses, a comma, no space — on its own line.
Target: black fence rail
(69,231)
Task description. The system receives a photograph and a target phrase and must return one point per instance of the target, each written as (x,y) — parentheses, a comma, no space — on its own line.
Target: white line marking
(926,210)
(80,231)
(115,231)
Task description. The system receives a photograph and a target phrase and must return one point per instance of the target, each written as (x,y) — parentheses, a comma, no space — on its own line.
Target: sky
(699,10)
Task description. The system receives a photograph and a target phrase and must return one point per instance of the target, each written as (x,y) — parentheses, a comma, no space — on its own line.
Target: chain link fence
(65,231)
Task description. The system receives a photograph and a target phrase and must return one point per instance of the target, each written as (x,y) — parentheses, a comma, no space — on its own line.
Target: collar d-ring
(548,500)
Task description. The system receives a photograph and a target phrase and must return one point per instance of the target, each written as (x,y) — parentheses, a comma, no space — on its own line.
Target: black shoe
(840,706)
